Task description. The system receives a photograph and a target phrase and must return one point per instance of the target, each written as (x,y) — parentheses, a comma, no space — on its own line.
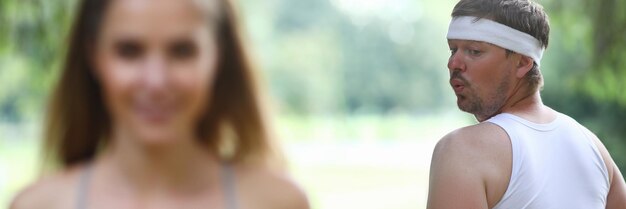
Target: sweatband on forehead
(469,28)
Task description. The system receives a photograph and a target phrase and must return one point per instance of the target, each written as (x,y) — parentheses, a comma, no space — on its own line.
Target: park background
(359,87)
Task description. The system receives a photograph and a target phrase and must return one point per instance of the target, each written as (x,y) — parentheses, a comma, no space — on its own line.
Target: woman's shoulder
(269,188)
(53,191)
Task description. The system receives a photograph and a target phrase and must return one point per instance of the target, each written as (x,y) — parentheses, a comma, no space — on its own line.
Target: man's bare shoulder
(484,137)
(54,191)
(483,148)
(471,165)
(268,188)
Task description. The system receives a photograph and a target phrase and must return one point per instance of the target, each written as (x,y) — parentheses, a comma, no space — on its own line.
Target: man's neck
(529,107)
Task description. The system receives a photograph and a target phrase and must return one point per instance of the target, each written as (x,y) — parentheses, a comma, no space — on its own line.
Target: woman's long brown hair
(78,124)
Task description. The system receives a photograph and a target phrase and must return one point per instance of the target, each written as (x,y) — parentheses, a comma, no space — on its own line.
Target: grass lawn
(364,162)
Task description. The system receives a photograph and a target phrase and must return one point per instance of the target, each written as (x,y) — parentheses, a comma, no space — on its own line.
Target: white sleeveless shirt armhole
(515,153)
(602,165)
(541,165)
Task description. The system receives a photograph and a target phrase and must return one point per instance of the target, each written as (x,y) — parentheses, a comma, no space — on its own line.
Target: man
(522,154)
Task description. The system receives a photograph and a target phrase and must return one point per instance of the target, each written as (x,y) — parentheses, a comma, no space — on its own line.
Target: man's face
(481,75)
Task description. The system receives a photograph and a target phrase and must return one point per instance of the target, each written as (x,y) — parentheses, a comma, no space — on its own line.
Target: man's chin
(463,105)
(461,102)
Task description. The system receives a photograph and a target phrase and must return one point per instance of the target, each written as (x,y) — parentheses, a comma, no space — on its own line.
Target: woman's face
(155,60)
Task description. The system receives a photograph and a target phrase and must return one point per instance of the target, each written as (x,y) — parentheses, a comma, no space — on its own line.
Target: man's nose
(456,62)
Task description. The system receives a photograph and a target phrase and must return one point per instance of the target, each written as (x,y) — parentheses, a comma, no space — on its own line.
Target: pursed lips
(457,84)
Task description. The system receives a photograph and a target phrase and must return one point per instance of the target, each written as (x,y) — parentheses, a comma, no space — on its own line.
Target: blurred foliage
(588,51)
(351,57)
(31,36)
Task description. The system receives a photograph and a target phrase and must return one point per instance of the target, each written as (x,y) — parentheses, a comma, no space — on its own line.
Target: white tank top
(555,165)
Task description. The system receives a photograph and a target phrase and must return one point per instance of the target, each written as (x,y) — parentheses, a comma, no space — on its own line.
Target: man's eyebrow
(480,43)
(466,41)
(477,42)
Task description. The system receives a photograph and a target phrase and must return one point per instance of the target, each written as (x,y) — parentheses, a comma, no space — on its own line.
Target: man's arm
(617,194)
(616,199)
(466,164)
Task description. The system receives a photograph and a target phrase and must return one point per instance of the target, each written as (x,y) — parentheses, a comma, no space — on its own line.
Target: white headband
(469,28)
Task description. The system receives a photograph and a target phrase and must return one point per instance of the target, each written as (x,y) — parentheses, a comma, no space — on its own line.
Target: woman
(157,107)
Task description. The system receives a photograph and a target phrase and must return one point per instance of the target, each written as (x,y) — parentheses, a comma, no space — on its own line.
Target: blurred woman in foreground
(157,107)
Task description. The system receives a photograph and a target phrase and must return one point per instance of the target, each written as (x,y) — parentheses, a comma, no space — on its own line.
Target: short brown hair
(523,15)
(78,124)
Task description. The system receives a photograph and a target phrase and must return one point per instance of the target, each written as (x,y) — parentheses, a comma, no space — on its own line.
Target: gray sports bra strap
(83,188)
(229,186)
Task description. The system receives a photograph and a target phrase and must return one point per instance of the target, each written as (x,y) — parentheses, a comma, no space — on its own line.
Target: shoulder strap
(83,187)
(229,186)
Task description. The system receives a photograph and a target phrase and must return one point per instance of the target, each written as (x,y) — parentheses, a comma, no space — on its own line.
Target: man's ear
(524,65)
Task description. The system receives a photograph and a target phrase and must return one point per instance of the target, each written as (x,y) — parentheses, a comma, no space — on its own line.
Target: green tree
(590,73)
(31,40)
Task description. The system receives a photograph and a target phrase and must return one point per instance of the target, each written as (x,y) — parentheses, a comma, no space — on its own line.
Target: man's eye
(129,50)
(182,50)
(473,52)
